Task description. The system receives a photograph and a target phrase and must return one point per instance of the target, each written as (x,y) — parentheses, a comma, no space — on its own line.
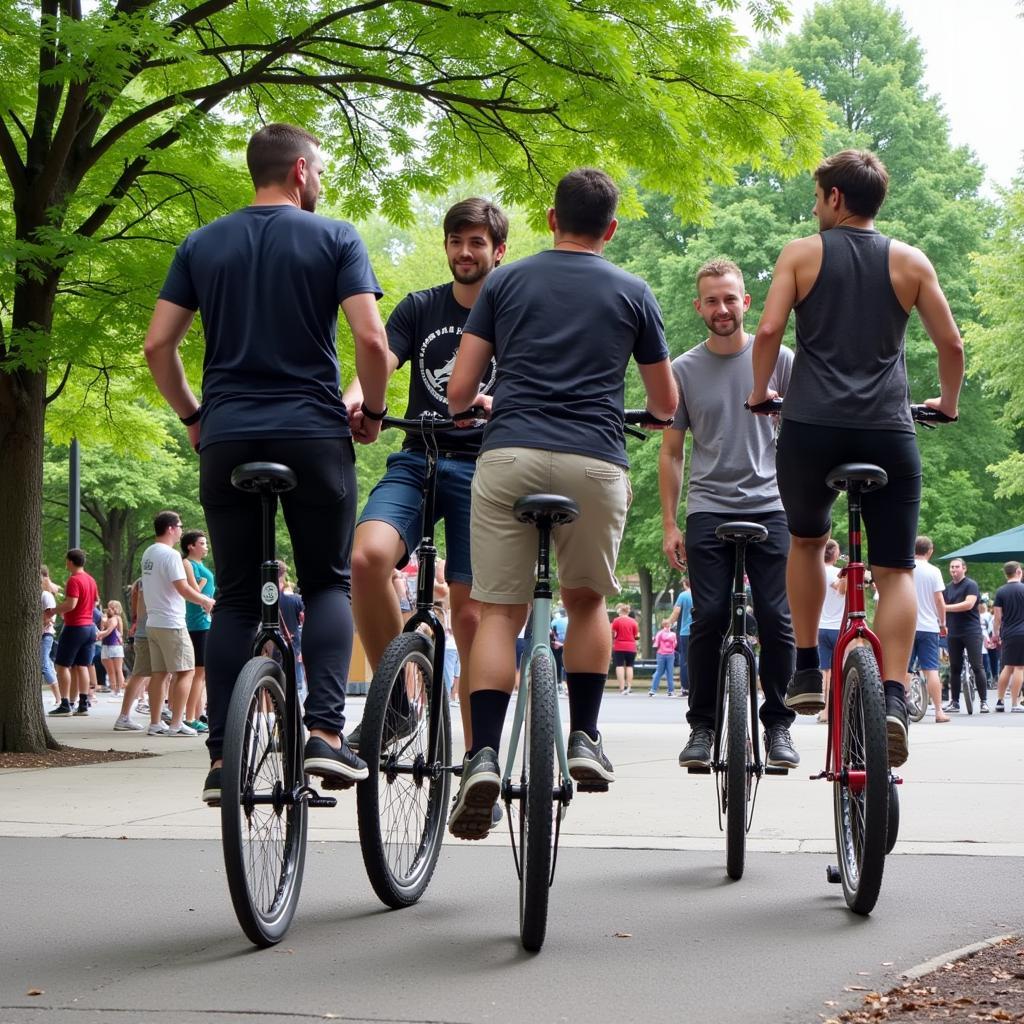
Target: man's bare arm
(772,326)
(997,621)
(938,321)
(671,460)
(193,595)
(660,385)
(371,350)
(471,362)
(940,608)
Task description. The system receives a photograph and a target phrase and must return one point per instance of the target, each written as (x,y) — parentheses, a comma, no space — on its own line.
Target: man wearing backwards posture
(268,280)
(853,289)
(562,325)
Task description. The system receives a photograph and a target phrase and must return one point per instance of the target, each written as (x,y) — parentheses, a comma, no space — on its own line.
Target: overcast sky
(975,64)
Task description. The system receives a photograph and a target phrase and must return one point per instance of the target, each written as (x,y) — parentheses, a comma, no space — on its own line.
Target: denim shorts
(827,640)
(397,500)
(926,651)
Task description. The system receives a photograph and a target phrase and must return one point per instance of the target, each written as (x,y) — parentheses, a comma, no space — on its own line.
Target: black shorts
(623,659)
(76,646)
(198,637)
(1012,651)
(808,452)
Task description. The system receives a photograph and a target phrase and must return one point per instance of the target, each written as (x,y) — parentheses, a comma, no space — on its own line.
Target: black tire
(861,815)
(264,844)
(968,688)
(917,697)
(893,829)
(737,748)
(402,804)
(536,806)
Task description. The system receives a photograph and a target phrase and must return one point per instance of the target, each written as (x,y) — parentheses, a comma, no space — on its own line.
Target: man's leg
(157,687)
(377,550)
(1018,682)
(64,682)
(465,623)
(1004,681)
(956,668)
(934,684)
(181,683)
(681,657)
(895,619)
(974,656)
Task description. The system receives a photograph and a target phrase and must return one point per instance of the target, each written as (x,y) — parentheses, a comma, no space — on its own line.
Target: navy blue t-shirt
(564,326)
(426,327)
(267,281)
(1010,597)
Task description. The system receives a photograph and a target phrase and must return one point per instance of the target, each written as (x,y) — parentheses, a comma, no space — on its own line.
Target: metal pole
(74,497)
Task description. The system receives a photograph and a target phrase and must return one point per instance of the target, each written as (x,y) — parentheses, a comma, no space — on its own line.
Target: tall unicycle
(861,787)
(403,803)
(737,746)
(263,825)
(537,809)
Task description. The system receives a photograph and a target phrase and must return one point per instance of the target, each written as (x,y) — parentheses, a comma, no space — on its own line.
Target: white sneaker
(165,716)
(125,724)
(141,707)
(180,730)
(157,729)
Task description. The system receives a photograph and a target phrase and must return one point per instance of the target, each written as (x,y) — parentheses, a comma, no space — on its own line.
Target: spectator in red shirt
(625,633)
(78,638)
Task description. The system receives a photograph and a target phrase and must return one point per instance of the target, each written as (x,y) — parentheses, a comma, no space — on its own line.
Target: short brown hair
(859,175)
(831,550)
(718,268)
(76,556)
(164,521)
(1010,569)
(585,202)
(923,545)
(471,212)
(273,149)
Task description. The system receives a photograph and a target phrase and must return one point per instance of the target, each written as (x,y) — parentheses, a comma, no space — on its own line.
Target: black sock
(487,709)
(894,688)
(585,692)
(806,657)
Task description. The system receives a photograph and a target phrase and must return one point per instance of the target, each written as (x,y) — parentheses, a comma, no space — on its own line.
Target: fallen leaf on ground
(35,992)
(855,988)
(623,935)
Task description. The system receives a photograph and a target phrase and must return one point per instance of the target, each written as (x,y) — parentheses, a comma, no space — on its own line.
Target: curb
(957,954)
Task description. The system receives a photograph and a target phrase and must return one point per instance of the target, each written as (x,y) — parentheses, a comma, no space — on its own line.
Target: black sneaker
(82,709)
(62,710)
(806,692)
(472,816)
(341,765)
(779,749)
(497,814)
(1000,707)
(587,760)
(952,708)
(897,728)
(697,752)
(211,788)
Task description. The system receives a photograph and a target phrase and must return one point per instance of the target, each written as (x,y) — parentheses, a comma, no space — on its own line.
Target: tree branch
(11,158)
(60,387)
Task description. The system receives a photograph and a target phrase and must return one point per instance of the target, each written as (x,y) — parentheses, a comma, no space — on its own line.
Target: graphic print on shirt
(436,360)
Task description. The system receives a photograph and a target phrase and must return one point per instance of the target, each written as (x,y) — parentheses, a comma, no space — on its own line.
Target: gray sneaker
(125,724)
(472,815)
(395,729)
(806,692)
(697,752)
(587,761)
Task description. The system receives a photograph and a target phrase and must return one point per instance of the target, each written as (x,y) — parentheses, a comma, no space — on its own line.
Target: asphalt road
(143,931)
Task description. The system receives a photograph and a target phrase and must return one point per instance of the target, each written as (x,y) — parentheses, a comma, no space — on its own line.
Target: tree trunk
(113,555)
(22,723)
(646,610)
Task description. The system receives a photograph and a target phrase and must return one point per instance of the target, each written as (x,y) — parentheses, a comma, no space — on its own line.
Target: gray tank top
(850,368)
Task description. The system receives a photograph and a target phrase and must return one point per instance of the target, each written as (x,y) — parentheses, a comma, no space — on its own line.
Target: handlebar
(633,418)
(430,421)
(923,414)
(771,407)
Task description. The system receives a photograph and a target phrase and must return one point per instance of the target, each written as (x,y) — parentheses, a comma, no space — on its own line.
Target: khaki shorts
(142,666)
(504,551)
(170,650)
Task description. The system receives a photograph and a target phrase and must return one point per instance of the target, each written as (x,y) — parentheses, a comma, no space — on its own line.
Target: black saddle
(555,509)
(263,477)
(741,533)
(857,477)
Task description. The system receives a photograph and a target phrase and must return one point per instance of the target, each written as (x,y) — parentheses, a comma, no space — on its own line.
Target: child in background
(665,648)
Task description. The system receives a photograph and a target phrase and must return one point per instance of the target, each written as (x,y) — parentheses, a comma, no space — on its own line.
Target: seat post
(739,593)
(853,503)
(269,595)
(543,587)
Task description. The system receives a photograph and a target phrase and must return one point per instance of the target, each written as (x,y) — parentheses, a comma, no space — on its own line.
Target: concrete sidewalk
(963,793)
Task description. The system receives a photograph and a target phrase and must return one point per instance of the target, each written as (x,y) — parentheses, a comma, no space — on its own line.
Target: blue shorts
(827,640)
(397,500)
(925,651)
(75,646)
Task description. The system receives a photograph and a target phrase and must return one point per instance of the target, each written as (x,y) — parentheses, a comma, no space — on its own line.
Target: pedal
(591,787)
(775,769)
(336,783)
(832,875)
(699,769)
(322,801)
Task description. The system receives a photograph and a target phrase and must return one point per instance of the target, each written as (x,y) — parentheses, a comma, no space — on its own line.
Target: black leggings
(971,646)
(320,514)
(808,452)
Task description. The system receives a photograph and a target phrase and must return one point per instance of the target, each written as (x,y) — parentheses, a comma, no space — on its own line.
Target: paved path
(144,932)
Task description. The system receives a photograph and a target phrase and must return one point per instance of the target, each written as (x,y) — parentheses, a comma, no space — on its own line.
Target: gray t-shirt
(732,466)
(564,326)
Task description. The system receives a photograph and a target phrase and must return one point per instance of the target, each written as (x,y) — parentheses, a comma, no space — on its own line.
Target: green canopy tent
(1000,547)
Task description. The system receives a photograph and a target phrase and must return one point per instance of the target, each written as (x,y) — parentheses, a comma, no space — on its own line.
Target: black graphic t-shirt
(426,328)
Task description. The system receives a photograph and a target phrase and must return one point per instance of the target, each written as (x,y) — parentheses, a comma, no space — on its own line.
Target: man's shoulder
(686,361)
(426,298)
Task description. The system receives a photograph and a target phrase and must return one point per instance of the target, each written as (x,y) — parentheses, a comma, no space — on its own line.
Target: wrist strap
(371,415)
(192,418)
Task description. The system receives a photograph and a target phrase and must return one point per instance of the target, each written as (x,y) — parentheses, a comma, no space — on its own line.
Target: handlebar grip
(642,417)
(771,406)
(928,415)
